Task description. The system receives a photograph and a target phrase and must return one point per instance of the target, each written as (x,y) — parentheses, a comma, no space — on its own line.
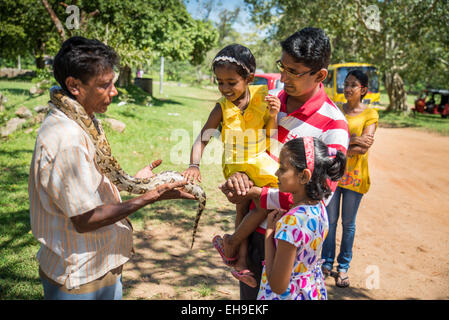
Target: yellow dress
(244,139)
(356,177)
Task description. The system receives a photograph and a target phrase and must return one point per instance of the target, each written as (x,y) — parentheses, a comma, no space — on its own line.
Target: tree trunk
(396,92)
(39,54)
(124,78)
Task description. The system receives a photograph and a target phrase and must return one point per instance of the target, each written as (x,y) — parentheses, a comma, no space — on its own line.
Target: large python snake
(109,165)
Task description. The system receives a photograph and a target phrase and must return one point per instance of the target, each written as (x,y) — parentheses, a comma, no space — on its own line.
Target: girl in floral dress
(293,239)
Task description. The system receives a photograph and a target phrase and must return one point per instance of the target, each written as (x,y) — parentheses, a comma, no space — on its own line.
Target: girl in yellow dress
(248,116)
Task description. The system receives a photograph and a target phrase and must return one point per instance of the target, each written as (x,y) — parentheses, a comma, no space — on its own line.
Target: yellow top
(244,139)
(356,177)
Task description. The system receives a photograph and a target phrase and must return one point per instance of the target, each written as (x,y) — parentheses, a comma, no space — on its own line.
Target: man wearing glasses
(306,110)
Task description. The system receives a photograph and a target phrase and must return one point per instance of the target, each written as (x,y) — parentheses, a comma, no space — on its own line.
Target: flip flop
(246,277)
(218,244)
(342,281)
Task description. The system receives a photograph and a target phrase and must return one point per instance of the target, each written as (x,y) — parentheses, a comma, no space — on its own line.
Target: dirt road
(401,248)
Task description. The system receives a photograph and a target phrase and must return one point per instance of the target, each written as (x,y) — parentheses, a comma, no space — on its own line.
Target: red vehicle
(272,80)
(434,101)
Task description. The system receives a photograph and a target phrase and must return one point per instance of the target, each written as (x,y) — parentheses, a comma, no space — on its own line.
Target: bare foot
(241,264)
(230,249)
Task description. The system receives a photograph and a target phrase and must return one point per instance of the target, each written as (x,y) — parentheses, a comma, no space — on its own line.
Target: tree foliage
(138,30)
(408,41)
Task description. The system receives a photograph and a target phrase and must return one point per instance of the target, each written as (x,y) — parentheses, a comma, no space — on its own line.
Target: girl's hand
(272,219)
(147,172)
(274,105)
(192,174)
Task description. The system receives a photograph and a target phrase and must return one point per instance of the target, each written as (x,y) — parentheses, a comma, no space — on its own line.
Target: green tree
(25,29)
(400,37)
(139,30)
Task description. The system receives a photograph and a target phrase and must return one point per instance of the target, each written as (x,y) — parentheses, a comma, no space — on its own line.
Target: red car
(272,80)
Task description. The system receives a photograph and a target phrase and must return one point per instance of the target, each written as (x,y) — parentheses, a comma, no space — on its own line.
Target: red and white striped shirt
(64,182)
(319,117)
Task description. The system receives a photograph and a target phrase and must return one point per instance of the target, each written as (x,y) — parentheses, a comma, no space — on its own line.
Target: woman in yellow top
(362,123)
(247,115)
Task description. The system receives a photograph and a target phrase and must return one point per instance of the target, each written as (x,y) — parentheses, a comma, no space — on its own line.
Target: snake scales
(109,165)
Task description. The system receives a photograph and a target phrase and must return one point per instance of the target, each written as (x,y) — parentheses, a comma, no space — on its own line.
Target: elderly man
(76,212)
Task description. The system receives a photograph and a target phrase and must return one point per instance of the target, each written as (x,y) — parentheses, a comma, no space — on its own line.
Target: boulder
(23,112)
(42,109)
(11,126)
(36,90)
(116,125)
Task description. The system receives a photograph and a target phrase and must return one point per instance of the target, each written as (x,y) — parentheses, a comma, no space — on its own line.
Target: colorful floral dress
(306,227)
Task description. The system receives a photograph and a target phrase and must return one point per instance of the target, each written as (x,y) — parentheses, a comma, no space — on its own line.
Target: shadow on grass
(16,92)
(140,97)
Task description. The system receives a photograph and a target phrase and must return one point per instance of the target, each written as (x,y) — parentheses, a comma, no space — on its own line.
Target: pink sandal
(246,277)
(218,244)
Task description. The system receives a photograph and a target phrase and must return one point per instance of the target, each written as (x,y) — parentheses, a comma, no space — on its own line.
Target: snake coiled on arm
(110,167)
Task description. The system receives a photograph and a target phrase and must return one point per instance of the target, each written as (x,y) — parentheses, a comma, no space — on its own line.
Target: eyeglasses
(351,86)
(281,68)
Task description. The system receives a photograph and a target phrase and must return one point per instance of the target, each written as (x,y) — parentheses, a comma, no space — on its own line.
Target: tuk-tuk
(336,77)
(433,101)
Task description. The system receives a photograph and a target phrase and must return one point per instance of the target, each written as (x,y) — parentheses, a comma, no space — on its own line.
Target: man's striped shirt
(319,117)
(64,182)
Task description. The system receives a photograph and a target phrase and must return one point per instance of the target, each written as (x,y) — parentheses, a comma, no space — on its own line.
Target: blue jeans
(53,292)
(350,205)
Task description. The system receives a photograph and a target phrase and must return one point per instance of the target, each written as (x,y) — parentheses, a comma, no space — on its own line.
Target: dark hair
(82,59)
(309,46)
(240,53)
(325,166)
(361,76)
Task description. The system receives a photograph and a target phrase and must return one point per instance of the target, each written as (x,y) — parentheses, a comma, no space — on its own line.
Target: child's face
(298,86)
(288,176)
(353,89)
(231,85)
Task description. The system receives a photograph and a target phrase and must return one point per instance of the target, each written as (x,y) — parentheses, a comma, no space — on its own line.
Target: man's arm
(111,213)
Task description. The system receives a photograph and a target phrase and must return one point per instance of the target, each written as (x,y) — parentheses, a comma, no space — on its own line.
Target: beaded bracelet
(194,165)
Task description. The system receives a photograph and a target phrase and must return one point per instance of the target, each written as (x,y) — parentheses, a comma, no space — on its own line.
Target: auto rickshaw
(433,101)
(337,73)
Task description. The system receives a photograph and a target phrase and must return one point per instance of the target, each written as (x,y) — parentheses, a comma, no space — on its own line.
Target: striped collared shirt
(65,182)
(319,117)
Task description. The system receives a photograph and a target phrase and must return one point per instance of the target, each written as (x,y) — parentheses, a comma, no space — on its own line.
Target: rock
(36,90)
(29,130)
(11,126)
(116,125)
(23,112)
(42,109)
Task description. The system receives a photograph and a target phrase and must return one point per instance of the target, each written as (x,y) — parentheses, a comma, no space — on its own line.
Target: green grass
(428,122)
(147,137)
